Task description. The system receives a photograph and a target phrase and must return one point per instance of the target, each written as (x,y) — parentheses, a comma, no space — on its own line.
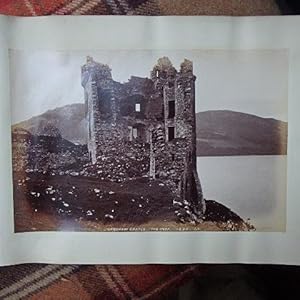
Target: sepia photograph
(141,140)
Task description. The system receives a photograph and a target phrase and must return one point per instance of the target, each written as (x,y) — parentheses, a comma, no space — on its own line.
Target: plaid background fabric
(36,281)
(138,7)
(92,282)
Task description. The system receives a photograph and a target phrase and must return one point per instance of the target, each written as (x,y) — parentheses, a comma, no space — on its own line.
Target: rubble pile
(56,156)
(46,154)
(120,163)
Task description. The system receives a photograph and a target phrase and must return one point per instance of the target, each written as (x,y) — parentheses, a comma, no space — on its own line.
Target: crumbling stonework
(153,117)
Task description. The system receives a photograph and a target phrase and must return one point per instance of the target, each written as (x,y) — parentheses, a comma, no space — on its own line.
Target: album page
(149,140)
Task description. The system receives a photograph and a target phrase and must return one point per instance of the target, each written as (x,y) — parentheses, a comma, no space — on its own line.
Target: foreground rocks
(72,197)
(53,202)
(57,188)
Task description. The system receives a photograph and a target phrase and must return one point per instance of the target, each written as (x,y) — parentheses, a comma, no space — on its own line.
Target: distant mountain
(68,121)
(224,132)
(219,132)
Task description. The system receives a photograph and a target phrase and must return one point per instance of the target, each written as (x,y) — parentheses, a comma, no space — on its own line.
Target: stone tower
(177,89)
(100,105)
(185,105)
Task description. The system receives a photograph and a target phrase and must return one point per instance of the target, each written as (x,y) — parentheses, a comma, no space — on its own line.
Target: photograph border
(161,247)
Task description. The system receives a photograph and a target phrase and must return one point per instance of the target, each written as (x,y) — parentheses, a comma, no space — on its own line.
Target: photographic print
(181,140)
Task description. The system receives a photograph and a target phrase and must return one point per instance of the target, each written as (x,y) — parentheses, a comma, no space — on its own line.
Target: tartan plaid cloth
(36,281)
(138,7)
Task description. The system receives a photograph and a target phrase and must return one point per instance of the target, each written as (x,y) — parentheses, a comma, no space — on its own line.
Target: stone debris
(109,216)
(177,203)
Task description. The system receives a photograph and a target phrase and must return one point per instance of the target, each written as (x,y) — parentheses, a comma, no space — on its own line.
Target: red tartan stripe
(47,6)
(4,2)
(14,8)
(66,7)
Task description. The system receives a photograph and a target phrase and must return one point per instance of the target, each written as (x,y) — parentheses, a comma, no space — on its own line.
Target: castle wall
(92,115)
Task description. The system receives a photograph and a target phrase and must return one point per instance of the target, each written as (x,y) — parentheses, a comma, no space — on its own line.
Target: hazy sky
(253,81)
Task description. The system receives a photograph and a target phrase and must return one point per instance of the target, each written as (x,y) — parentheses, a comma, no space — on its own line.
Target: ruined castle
(153,116)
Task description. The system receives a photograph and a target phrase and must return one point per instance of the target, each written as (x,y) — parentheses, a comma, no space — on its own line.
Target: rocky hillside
(219,132)
(235,133)
(69,120)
